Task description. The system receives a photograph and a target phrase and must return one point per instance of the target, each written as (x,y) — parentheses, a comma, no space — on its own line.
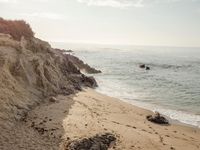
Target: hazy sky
(136,22)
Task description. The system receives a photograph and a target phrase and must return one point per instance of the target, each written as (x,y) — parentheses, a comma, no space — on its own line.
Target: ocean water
(171,86)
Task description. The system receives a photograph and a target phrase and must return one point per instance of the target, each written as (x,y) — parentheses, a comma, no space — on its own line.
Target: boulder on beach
(157,118)
(97,142)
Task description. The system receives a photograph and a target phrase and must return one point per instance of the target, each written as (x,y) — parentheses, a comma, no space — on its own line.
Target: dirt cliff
(30,70)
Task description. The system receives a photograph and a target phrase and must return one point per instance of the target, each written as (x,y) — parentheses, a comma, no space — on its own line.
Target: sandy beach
(94,113)
(53,124)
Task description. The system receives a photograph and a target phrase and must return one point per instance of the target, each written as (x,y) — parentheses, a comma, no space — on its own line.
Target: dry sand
(53,124)
(94,113)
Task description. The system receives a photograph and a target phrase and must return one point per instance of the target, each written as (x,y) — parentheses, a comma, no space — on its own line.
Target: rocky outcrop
(69,51)
(30,71)
(79,63)
(143,66)
(98,142)
(64,51)
(157,118)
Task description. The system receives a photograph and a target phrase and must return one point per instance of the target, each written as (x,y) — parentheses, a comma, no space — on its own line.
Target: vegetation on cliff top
(16,28)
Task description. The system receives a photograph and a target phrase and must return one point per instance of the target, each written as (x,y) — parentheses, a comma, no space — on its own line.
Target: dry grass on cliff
(16,28)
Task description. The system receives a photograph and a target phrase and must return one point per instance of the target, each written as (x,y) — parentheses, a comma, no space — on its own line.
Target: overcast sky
(135,22)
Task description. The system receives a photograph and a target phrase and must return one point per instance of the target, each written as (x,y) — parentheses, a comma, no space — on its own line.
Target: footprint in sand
(131,126)
(115,122)
(144,130)
(172,148)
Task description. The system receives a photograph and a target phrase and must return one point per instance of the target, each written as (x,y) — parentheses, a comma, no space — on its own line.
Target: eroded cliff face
(30,70)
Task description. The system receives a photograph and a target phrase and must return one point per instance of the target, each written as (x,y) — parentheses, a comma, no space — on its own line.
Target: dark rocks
(52,99)
(147,68)
(89,81)
(64,51)
(98,142)
(142,66)
(40,130)
(69,51)
(81,65)
(157,118)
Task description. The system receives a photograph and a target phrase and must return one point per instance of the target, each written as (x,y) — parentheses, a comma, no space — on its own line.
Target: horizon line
(115,44)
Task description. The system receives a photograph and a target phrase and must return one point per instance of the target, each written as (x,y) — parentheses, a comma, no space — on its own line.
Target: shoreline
(142,106)
(171,120)
(94,113)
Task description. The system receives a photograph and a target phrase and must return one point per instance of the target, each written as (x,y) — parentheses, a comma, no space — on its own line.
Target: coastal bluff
(31,71)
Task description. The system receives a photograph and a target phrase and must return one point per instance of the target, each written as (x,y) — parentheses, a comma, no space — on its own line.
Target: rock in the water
(147,68)
(69,51)
(157,118)
(98,142)
(63,50)
(142,66)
